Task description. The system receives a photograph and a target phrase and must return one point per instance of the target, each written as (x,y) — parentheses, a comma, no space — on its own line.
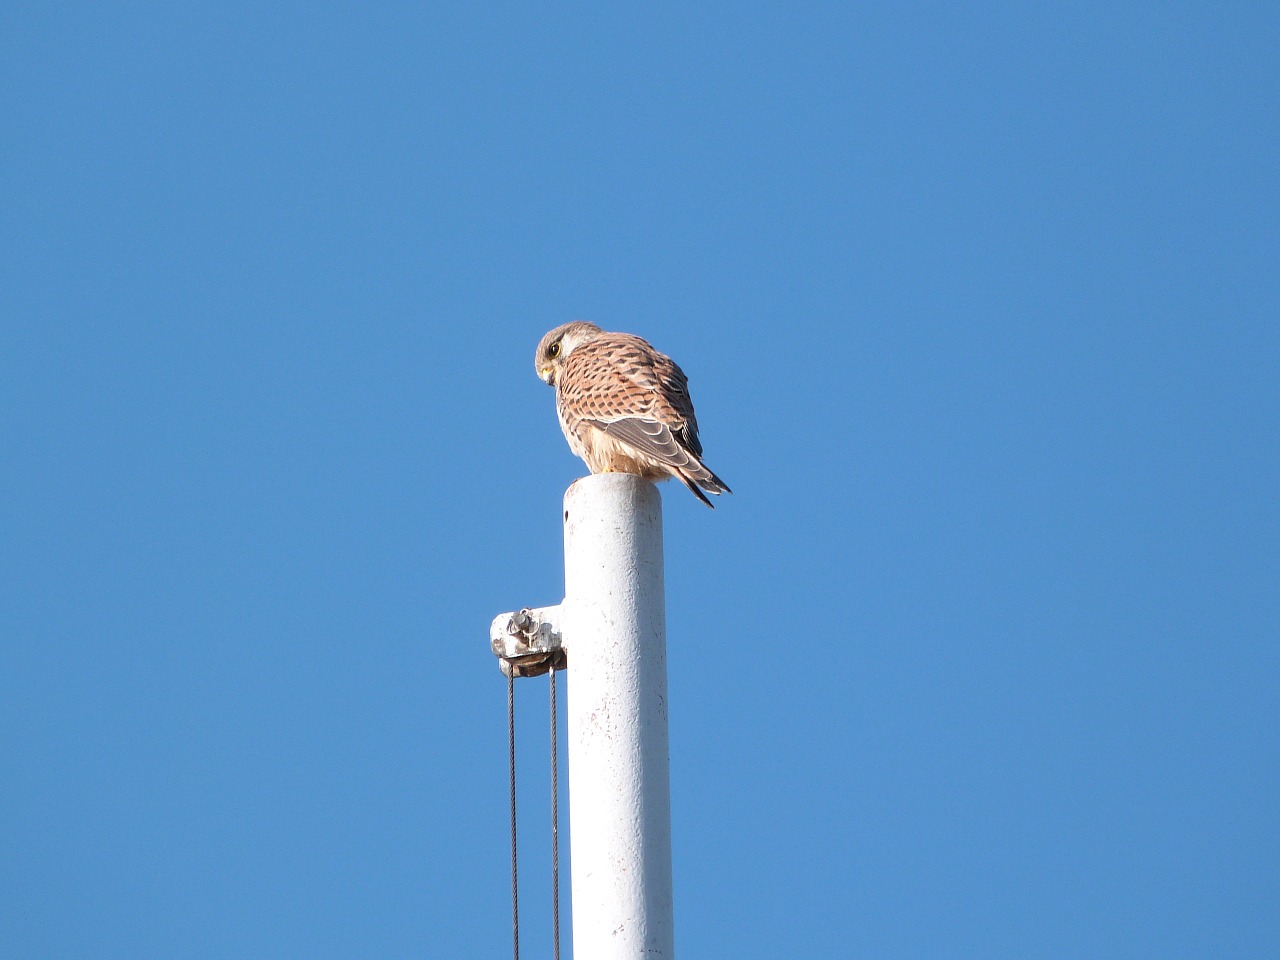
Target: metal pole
(614,620)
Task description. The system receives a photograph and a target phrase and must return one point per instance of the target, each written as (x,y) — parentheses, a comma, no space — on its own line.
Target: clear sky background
(979,308)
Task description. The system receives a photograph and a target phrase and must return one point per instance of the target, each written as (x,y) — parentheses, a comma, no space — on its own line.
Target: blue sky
(979,309)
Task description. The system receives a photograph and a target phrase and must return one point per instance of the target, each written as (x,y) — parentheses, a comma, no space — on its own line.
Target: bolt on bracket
(528,643)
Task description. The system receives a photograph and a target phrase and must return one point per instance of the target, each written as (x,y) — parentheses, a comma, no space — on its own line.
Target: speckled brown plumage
(624,407)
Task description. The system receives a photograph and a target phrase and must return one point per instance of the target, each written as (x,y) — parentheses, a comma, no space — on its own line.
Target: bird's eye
(553,351)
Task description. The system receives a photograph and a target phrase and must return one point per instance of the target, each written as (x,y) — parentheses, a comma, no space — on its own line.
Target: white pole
(619,778)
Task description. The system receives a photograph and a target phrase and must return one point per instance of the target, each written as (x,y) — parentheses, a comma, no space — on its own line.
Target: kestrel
(624,407)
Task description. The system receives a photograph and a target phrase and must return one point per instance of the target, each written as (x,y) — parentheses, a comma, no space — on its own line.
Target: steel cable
(555,825)
(511,761)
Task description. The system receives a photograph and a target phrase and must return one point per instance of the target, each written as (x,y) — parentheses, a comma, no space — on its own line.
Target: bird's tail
(697,478)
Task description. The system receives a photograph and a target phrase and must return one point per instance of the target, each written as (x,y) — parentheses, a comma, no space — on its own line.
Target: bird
(624,407)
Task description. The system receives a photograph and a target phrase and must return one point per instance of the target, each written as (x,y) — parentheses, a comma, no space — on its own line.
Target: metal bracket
(528,643)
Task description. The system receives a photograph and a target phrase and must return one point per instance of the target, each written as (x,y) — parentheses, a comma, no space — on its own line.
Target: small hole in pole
(566,515)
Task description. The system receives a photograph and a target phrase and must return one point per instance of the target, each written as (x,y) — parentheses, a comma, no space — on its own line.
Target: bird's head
(558,344)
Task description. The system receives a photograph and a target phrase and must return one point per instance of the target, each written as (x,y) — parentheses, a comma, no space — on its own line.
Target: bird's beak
(548,374)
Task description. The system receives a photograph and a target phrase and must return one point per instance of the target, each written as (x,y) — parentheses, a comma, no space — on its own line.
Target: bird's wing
(616,378)
(650,437)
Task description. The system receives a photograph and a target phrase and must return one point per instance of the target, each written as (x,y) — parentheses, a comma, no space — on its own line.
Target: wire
(511,761)
(555,816)
(555,824)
